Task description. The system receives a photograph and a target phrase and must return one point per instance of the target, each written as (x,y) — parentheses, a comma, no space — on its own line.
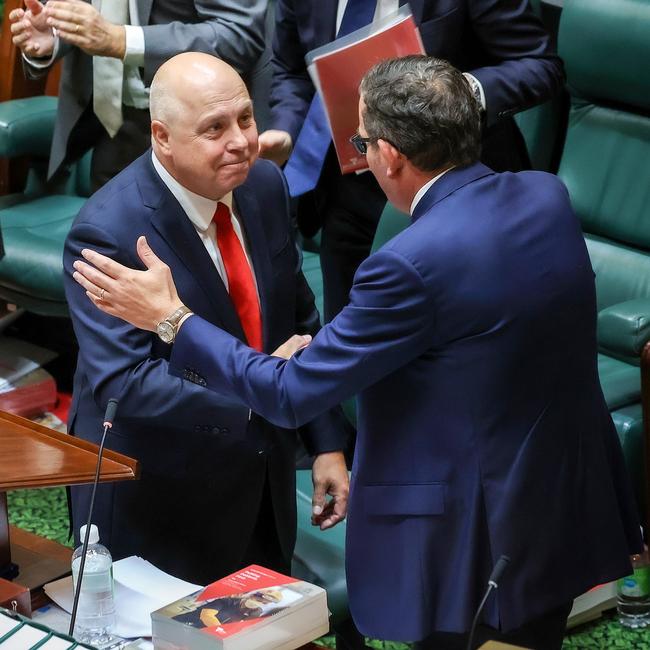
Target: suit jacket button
(216,430)
(224,430)
(197,428)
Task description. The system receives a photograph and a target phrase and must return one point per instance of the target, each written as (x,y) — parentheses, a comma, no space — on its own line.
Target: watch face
(165,331)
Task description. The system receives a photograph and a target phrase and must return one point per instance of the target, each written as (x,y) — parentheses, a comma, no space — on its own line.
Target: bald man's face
(212,141)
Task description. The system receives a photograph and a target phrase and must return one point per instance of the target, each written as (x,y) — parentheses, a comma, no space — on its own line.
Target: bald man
(217,490)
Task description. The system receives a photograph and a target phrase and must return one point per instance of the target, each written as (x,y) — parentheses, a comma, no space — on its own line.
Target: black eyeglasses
(360,143)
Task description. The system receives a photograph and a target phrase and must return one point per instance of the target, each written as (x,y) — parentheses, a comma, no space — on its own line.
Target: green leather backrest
(605,45)
(606,167)
(622,272)
(606,159)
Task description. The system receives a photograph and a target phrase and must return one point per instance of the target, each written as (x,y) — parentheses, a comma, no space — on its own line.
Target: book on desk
(252,608)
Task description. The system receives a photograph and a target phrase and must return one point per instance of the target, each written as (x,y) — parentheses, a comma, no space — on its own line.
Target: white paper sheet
(140,588)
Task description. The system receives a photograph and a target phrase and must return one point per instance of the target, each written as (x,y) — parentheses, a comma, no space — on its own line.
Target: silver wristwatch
(168,328)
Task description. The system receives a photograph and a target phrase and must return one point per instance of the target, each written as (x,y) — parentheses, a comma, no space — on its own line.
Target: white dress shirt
(200,211)
(424,189)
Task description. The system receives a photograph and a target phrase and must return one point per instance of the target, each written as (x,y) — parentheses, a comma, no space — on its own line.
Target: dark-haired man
(471,340)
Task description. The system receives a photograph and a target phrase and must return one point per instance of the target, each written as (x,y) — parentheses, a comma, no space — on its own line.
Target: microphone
(493,583)
(109,416)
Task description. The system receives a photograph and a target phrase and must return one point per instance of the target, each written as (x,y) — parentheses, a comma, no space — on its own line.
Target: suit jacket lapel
(173,225)
(324,17)
(144,11)
(249,213)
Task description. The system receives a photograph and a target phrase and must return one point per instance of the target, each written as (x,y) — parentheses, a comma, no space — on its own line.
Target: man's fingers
(94,276)
(105,264)
(34,6)
(20,27)
(107,308)
(16,14)
(148,257)
(318,498)
(91,280)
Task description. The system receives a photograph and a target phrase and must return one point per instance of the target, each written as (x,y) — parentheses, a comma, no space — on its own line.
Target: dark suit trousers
(543,633)
(110,155)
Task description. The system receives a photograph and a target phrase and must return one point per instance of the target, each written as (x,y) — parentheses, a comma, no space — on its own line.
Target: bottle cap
(94,534)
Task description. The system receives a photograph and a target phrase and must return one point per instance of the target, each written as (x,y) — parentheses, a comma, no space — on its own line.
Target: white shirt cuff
(134,51)
(42,62)
(480,88)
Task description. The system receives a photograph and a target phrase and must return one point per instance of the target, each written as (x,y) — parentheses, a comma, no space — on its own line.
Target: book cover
(338,67)
(254,605)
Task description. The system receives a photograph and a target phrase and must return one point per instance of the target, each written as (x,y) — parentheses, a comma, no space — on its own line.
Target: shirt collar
(199,209)
(424,189)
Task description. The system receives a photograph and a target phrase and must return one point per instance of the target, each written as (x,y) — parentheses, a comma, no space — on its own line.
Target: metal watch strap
(174,318)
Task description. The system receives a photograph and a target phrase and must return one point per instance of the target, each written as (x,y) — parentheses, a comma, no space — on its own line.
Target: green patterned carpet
(45,512)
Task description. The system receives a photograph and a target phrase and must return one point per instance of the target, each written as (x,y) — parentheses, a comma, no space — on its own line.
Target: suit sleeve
(525,70)
(232,30)
(291,87)
(118,357)
(389,322)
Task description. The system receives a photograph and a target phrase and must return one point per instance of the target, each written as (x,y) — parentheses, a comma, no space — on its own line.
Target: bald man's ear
(160,136)
(392,158)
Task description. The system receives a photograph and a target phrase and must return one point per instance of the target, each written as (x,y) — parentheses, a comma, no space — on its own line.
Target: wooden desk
(34,456)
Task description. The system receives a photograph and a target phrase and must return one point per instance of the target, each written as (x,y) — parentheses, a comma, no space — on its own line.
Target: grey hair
(425,108)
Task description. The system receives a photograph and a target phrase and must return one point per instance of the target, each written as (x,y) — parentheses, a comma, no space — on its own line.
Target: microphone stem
(488,591)
(82,563)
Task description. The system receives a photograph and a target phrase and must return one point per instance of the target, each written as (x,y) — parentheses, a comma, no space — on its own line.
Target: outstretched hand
(30,31)
(142,298)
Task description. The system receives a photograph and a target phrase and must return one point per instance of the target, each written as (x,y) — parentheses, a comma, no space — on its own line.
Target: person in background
(470,338)
(111,50)
(508,62)
(217,485)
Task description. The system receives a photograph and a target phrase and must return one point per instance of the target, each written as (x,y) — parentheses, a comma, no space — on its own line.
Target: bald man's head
(178,79)
(202,128)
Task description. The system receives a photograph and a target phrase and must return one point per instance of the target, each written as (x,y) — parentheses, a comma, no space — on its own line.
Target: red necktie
(241,285)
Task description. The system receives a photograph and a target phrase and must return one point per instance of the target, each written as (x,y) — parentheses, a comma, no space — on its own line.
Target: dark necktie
(241,285)
(306,162)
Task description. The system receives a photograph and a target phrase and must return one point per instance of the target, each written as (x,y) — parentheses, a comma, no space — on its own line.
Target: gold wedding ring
(76,29)
(101,294)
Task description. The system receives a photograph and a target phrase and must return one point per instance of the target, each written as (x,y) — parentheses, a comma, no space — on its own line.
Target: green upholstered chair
(605,165)
(35,222)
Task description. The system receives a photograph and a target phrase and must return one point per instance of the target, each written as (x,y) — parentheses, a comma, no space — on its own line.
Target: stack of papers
(140,588)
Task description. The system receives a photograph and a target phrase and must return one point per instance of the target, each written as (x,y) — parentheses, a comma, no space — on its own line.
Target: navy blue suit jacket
(204,464)
(501,42)
(471,340)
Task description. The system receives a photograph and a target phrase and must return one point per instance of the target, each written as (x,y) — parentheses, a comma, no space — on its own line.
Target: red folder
(337,69)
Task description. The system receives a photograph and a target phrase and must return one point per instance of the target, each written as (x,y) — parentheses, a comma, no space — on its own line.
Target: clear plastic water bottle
(633,593)
(96,608)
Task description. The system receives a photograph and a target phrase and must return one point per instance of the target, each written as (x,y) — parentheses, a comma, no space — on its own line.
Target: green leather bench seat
(26,126)
(620,381)
(604,164)
(35,222)
(629,426)
(34,233)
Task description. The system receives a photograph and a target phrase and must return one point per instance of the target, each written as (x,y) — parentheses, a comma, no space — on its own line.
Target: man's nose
(237,139)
